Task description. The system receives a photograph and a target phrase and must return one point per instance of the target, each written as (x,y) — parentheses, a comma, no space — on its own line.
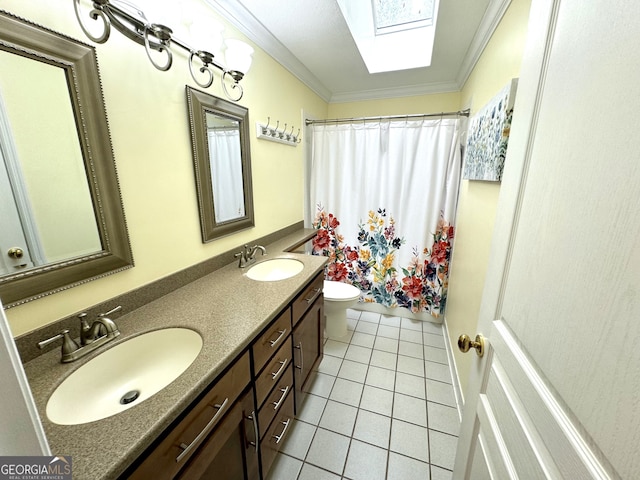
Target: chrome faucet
(247,255)
(92,336)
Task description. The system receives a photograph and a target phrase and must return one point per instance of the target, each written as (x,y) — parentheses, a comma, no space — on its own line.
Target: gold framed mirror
(62,214)
(222,164)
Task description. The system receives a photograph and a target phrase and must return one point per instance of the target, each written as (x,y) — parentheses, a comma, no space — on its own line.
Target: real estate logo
(35,468)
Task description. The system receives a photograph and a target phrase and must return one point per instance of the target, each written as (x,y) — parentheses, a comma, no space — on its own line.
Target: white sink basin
(276,269)
(135,369)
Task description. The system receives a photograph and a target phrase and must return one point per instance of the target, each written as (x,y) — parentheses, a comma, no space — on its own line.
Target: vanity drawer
(180,443)
(275,400)
(276,434)
(273,372)
(306,298)
(269,342)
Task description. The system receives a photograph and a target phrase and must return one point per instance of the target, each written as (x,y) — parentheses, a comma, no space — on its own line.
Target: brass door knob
(15,252)
(465,343)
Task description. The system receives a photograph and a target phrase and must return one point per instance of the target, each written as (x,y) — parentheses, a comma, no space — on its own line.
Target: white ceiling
(311,39)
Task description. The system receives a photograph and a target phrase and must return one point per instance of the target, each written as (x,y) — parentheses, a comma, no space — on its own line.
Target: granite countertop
(225,307)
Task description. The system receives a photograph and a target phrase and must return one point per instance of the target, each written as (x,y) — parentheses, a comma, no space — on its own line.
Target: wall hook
(265,129)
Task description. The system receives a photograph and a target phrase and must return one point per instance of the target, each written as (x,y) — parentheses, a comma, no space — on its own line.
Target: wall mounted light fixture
(133,24)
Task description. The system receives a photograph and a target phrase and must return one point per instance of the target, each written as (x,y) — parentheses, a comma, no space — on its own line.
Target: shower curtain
(384,196)
(226,173)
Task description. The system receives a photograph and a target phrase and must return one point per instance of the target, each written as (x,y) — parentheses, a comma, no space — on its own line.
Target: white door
(557,392)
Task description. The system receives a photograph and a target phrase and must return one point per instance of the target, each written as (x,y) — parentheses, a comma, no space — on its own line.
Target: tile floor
(381,407)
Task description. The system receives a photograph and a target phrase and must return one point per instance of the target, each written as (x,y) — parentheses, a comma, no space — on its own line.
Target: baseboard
(453,369)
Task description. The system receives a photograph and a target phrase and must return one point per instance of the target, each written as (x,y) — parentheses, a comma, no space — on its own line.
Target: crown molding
(239,17)
(404,91)
(246,23)
(490,21)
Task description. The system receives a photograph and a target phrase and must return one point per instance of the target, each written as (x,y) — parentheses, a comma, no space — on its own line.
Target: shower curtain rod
(462,113)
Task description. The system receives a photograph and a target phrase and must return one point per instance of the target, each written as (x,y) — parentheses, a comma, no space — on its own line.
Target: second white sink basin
(275,269)
(123,376)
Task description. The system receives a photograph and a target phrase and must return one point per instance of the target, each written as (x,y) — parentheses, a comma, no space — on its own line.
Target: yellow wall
(147,115)
(499,63)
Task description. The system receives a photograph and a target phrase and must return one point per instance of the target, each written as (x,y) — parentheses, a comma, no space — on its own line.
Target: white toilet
(338,297)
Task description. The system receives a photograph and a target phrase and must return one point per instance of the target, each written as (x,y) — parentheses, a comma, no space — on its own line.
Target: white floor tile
(381,378)
(367,327)
(372,428)
(367,413)
(442,449)
(330,365)
(437,371)
(283,467)
(328,450)
(433,340)
(409,409)
(363,339)
(432,327)
(383,359)
(410,385)
(440,392)
(438,473)
(412,324)
(335,349)
(311,409)
(358,354)
(386,344)
(389,332)
(311,472)
(410,365)
(370,317)
(346,391)
(377,400)
(405,468)
(339,418)
(346,338)
(321,385)
(366,462)
(412,336)
(411,349)
(390,321)
(410,440)
(298,439)
(354,371)
(435,354)
(442,418)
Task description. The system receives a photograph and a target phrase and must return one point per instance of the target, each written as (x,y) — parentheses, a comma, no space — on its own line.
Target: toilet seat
(340,292)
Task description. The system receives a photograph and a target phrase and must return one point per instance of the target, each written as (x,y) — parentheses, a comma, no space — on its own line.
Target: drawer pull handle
(254,420)
(205,431)
(299,347)
(274,342)
(285,390)
(316,291)
(283,365)
(284,431)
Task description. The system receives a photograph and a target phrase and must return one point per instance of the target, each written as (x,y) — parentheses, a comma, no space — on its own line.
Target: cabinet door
(307,346)
(221,455)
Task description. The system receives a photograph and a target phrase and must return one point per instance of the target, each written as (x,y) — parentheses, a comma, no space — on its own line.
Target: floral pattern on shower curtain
(384,198)
(420,286)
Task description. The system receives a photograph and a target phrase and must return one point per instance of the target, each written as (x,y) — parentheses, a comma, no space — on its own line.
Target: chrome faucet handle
(68,344)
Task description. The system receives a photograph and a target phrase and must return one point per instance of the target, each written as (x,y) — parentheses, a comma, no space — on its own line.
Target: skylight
(392,34)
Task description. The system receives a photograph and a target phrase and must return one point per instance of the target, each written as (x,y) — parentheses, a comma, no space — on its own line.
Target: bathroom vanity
(231,410)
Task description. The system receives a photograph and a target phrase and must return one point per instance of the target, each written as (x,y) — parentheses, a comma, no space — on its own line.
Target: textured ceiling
(312,40)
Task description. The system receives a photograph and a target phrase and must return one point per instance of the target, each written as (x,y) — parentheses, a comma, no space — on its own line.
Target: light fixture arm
(133,24)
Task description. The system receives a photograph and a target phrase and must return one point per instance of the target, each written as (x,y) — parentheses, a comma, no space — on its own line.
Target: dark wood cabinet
(307,347)
(236,428)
